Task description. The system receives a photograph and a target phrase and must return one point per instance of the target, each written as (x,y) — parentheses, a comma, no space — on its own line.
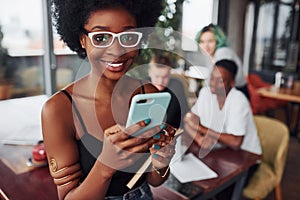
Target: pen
(19,142)
(3,195)
(146,164)
(177,134)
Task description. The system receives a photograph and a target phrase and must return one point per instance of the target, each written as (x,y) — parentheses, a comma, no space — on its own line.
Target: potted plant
(6,72)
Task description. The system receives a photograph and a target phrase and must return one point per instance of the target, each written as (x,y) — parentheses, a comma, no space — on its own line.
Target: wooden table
(36,184)
(287,94)
(292,95)
(231,166)
(18,181)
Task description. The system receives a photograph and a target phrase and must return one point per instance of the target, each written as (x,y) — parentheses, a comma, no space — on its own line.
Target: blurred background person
(159,72)
(222,115)
(213,41)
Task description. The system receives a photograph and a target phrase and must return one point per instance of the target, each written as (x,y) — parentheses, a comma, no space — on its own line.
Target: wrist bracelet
(158,172)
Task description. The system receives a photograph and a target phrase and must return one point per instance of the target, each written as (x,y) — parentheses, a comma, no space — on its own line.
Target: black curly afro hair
(70,16)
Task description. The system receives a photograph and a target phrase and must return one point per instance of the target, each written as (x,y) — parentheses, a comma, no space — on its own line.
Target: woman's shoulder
(224,51)
(57,103)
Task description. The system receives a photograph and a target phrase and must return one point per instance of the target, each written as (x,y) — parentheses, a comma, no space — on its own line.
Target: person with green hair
(213,41)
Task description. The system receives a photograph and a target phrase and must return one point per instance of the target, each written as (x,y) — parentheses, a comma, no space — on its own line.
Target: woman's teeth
(114,64)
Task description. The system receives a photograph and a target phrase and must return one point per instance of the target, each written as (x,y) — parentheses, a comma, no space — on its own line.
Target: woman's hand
(121,150)
(163,149)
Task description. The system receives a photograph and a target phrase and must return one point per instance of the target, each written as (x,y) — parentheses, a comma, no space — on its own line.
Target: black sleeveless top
(89,150)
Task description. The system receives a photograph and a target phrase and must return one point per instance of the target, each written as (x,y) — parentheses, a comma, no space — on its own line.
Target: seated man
(222,115)
(160,76)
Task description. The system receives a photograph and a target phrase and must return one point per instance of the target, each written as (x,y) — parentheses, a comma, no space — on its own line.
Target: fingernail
(164,132)
(155,156)
(147,121)
(156,136)
(156,146)
(162,126)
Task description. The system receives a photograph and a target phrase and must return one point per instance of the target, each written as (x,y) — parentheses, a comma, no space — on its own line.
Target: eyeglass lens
(125,39)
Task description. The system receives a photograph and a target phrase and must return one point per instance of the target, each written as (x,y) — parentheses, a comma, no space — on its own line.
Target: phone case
(144,106)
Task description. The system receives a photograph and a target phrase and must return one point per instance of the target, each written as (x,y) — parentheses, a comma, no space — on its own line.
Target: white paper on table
(190,168)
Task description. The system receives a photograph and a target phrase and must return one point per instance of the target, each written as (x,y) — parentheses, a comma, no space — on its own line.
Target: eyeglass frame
(114,35)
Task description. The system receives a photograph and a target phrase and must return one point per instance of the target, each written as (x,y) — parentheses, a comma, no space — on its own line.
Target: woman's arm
(62,151)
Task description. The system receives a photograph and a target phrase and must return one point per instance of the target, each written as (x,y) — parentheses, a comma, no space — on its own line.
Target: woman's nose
(116,48)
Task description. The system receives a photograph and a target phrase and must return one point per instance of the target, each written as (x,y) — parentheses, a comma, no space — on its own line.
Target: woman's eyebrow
(106,28)
(100,27)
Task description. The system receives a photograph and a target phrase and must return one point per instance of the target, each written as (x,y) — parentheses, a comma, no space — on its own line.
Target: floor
(291,178)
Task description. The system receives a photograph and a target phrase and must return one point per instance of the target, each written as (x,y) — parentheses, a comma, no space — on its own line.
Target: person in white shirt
(222,115)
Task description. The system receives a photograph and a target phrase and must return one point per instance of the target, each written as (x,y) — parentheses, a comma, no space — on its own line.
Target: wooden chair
(274,139)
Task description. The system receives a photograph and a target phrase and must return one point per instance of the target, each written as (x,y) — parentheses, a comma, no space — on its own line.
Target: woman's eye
(126,38)
(101,38)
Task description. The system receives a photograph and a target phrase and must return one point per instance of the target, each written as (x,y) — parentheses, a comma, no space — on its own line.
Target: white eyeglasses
(103,39)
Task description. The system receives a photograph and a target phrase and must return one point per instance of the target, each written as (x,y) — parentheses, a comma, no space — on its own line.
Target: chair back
(256,81)
(259,104)
(274,139)
(183,81)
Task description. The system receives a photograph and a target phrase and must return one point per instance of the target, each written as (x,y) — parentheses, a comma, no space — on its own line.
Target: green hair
(218,33)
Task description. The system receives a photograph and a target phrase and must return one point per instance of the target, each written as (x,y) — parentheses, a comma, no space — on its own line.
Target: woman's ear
(82,41)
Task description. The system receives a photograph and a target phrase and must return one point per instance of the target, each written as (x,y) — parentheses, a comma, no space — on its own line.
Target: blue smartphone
(144,106)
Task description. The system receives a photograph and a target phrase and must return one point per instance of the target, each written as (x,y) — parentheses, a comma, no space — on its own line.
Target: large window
(22,39)
(24,34)
(275,43)
(195,15)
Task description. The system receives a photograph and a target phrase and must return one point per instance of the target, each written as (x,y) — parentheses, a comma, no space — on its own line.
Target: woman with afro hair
(91,154)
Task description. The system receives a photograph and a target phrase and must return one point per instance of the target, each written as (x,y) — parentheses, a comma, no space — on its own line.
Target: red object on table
(39,155)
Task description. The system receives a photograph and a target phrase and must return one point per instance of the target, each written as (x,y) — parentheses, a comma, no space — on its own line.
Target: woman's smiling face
(114,61)
(208,43)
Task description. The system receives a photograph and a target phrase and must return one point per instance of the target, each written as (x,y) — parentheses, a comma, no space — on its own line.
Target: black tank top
(89,150)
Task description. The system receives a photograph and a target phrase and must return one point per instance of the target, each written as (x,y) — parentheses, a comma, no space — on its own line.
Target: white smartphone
(152,106)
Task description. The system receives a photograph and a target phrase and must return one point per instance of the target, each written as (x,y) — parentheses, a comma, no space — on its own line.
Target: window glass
(22,29)
(67,62)
(287,1)
(67,67)
(283,35)
(195,15)
(264,34)
(23,41)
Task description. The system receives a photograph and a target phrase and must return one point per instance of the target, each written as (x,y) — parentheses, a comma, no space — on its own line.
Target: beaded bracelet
(158,172)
